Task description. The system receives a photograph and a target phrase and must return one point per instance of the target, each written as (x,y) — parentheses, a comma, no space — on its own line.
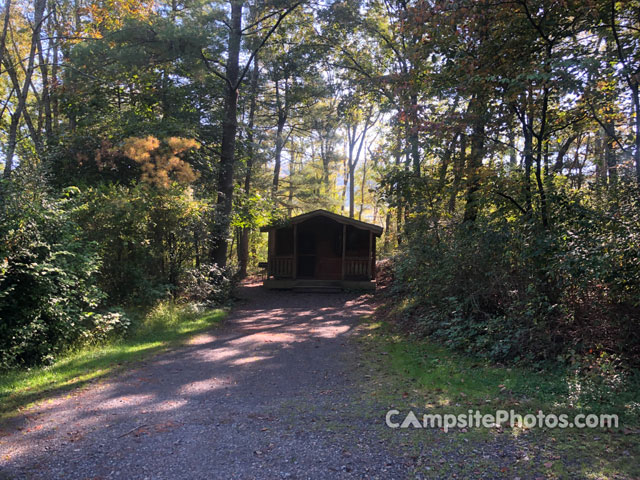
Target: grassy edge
(397,362)
(164,327)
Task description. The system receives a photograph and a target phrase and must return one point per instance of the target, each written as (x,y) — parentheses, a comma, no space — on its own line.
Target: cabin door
(307,254)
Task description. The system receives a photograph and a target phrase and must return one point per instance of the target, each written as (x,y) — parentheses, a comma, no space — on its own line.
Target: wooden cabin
(321,248)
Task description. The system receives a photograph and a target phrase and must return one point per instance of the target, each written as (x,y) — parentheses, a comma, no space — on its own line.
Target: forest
(144,143)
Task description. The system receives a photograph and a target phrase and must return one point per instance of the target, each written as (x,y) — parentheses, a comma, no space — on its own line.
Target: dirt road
(268,395)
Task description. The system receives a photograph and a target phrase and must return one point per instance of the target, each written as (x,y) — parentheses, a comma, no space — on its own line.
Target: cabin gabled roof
(377,230)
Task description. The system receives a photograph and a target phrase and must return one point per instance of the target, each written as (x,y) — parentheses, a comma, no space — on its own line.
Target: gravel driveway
(271,394)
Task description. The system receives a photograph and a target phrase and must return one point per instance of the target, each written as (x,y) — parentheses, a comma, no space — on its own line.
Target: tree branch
(264,41)
(207,63)
(512,200)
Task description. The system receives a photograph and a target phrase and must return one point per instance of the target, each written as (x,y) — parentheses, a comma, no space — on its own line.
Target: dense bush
(147,238)
(48,271)
(65,262)
(513,290)
(208,284)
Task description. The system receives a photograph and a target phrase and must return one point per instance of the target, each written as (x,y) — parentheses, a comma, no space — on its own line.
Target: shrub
(512,290)
(48,291)
(209,285)
(147,238)
(106,326)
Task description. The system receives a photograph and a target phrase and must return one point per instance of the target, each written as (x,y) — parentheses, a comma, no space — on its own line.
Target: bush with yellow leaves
(160,162)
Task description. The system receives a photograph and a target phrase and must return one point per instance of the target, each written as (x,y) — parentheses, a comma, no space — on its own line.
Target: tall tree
(233,78)
(243,242)
(22,90)
(627,41)
(359,119)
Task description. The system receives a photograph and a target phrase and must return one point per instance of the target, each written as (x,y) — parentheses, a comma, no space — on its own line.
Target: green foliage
(209,285)
(417,373)
(447,377)
(500,115)
(515,291)
(48,278)
(168,320)
(250,211)
(166,324)
(146,237)
(65,260)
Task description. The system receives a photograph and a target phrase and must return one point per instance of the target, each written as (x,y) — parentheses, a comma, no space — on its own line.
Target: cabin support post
(369,264)
(344,246)
(295,251)
(270,251)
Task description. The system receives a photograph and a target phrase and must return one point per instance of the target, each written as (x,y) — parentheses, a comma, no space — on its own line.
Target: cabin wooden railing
(281,266)
(357,267)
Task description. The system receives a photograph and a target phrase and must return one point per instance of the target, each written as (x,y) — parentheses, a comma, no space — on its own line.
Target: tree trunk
(350,167)
(513,159)
(458,168)
(564,148)
(528,164)
(610,154)
(53,94)
(399,213)
(355,139)
(46,93)
(345,184)
(542,136)
(352,190)
(292,168)
(325,152)
(577,165)
(444,164)
(475,161)
(243,242)
(387,233)
(598,157)
(5,27)
(229,129)
(282,119)
(413,136)
(636,104)
(23,92)
(363,185)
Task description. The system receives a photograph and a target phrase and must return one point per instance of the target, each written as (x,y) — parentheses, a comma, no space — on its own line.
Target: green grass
(418,375)
(458,381)
(166,325)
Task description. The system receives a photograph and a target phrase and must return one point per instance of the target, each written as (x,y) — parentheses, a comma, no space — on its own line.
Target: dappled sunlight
(219,353)
(330,332)
(201,339)
(270,338)
(261,326)
(247,360)
(131,399)
(170,406)
(255,345)
(200,386)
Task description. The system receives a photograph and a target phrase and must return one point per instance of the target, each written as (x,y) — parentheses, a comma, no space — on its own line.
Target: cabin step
(317,289)
(318,283)
(317,286)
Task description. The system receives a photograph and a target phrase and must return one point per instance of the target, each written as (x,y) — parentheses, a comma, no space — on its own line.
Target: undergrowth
(162,327)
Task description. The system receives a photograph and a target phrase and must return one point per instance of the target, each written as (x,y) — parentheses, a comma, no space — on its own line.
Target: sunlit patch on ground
(201,339)
(278,348)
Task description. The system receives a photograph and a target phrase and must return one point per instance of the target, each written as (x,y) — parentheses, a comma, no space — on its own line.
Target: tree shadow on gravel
(277,348)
